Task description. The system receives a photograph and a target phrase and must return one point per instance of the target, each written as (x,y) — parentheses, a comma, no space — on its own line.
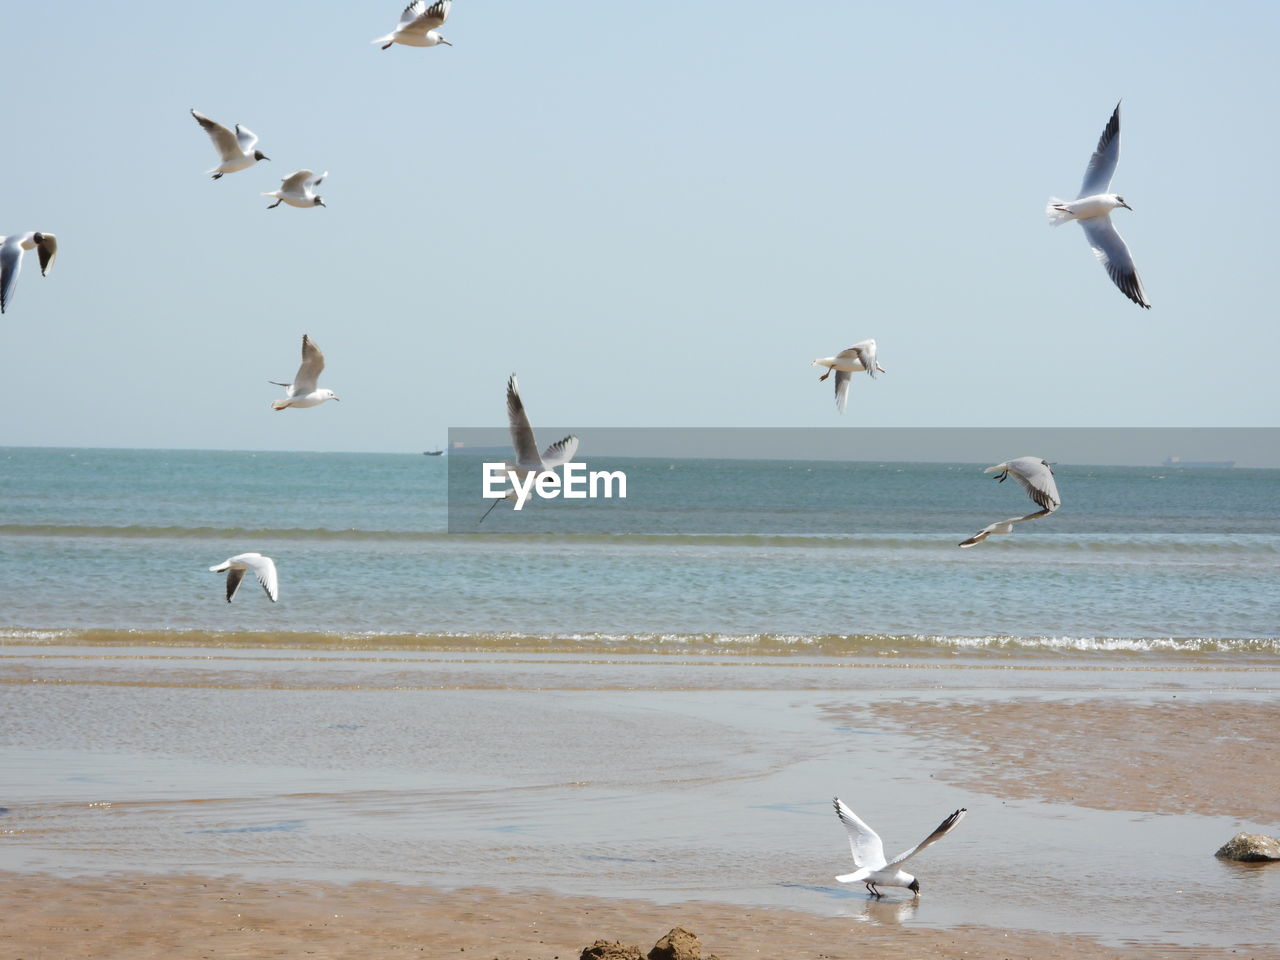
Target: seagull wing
(843,378)
(10,264)
(1035,477)
(945,827)
(246,138)
(420,18)
(224,141)
(1113,254)
(47,247)
(1102,165)
(522,439)
(561,451)
(234,576)
(296,182)
(865,843)
(264,568)
(309,371)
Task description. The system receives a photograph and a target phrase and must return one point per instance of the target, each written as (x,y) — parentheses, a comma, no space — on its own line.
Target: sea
(772,555)
(654,699)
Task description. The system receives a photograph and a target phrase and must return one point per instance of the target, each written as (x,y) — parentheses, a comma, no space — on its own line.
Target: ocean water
(765,555)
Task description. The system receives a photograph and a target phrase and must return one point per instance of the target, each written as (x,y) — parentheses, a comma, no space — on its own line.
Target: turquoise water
(744,553)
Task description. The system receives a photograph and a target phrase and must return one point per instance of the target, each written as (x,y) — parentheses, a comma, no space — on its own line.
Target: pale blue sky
(653,223)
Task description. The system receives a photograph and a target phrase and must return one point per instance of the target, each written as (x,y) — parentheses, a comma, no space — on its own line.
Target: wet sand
(134,917)
(1174,756)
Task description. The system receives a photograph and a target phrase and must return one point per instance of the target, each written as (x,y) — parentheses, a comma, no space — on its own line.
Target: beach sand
(163,918)
(140,842)
(1173,756)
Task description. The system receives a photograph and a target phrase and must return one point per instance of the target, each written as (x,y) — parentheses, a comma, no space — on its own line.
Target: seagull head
(914,886)
(259,155)
(318,202)
(440,39)
(1120,202)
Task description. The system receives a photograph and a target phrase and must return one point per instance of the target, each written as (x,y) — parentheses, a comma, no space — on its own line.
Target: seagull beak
(1125,205)
(445,42)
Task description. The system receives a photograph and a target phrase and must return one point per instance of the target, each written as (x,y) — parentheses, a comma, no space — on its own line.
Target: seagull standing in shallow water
(861,356)
(419,25)
(303,392)
(1036,477)
(1093,210)
(236,150)
(298,190)
(264,568)
(11,250)
(868,853)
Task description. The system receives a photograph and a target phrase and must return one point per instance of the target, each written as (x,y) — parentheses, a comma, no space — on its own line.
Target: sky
(653,222)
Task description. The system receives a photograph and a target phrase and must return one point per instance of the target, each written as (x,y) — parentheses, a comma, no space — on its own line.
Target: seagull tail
(1057,216)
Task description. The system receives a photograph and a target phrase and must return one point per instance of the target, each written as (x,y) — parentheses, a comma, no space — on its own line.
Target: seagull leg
(824,376)
(216,176)
(276,204)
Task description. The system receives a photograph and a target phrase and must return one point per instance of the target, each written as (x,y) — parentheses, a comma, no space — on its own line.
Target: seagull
(236,149)
(264,568)
(418,25)
(1036,477)
(1093,209)
(11,251)
(861,356)
(298,190)
(528,460)
(303,392)
(868,853)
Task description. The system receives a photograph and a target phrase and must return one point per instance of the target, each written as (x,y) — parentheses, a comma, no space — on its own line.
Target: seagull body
(1033,475)
(1092,208)
(303,392)
(236,150)
(528,459)
(419,25)
(868,853)
(861,356)
(11,250)
(264,568)
(298,190)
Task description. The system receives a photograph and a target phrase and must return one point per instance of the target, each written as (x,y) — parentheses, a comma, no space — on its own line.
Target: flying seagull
(11,250)
(868,853)
(264,568)
(303,392)
(298,190)
(528,460)
(1036,477)
(236,150)
(419,25)
(1093,209)
(861,356)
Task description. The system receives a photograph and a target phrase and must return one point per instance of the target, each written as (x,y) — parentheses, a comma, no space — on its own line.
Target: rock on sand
(1250,848)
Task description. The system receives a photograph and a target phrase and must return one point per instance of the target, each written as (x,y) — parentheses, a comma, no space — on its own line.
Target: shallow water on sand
(661,777)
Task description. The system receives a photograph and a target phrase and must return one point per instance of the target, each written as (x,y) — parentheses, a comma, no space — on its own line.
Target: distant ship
(432,453)
(1179,462)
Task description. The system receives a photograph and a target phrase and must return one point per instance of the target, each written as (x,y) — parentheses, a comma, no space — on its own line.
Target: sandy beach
(133,917)
(189,802)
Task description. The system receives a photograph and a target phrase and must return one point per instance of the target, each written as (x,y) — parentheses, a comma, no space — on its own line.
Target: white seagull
(868,853)
(236,150)
(528,460)
(861,356)
(264,568)
(298,190)
(419,25)
(303,392)
(1036,477)
(11,250)
(1093,209)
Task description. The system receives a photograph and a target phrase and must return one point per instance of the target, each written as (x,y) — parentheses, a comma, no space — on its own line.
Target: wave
(878,646)
(1067,545)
